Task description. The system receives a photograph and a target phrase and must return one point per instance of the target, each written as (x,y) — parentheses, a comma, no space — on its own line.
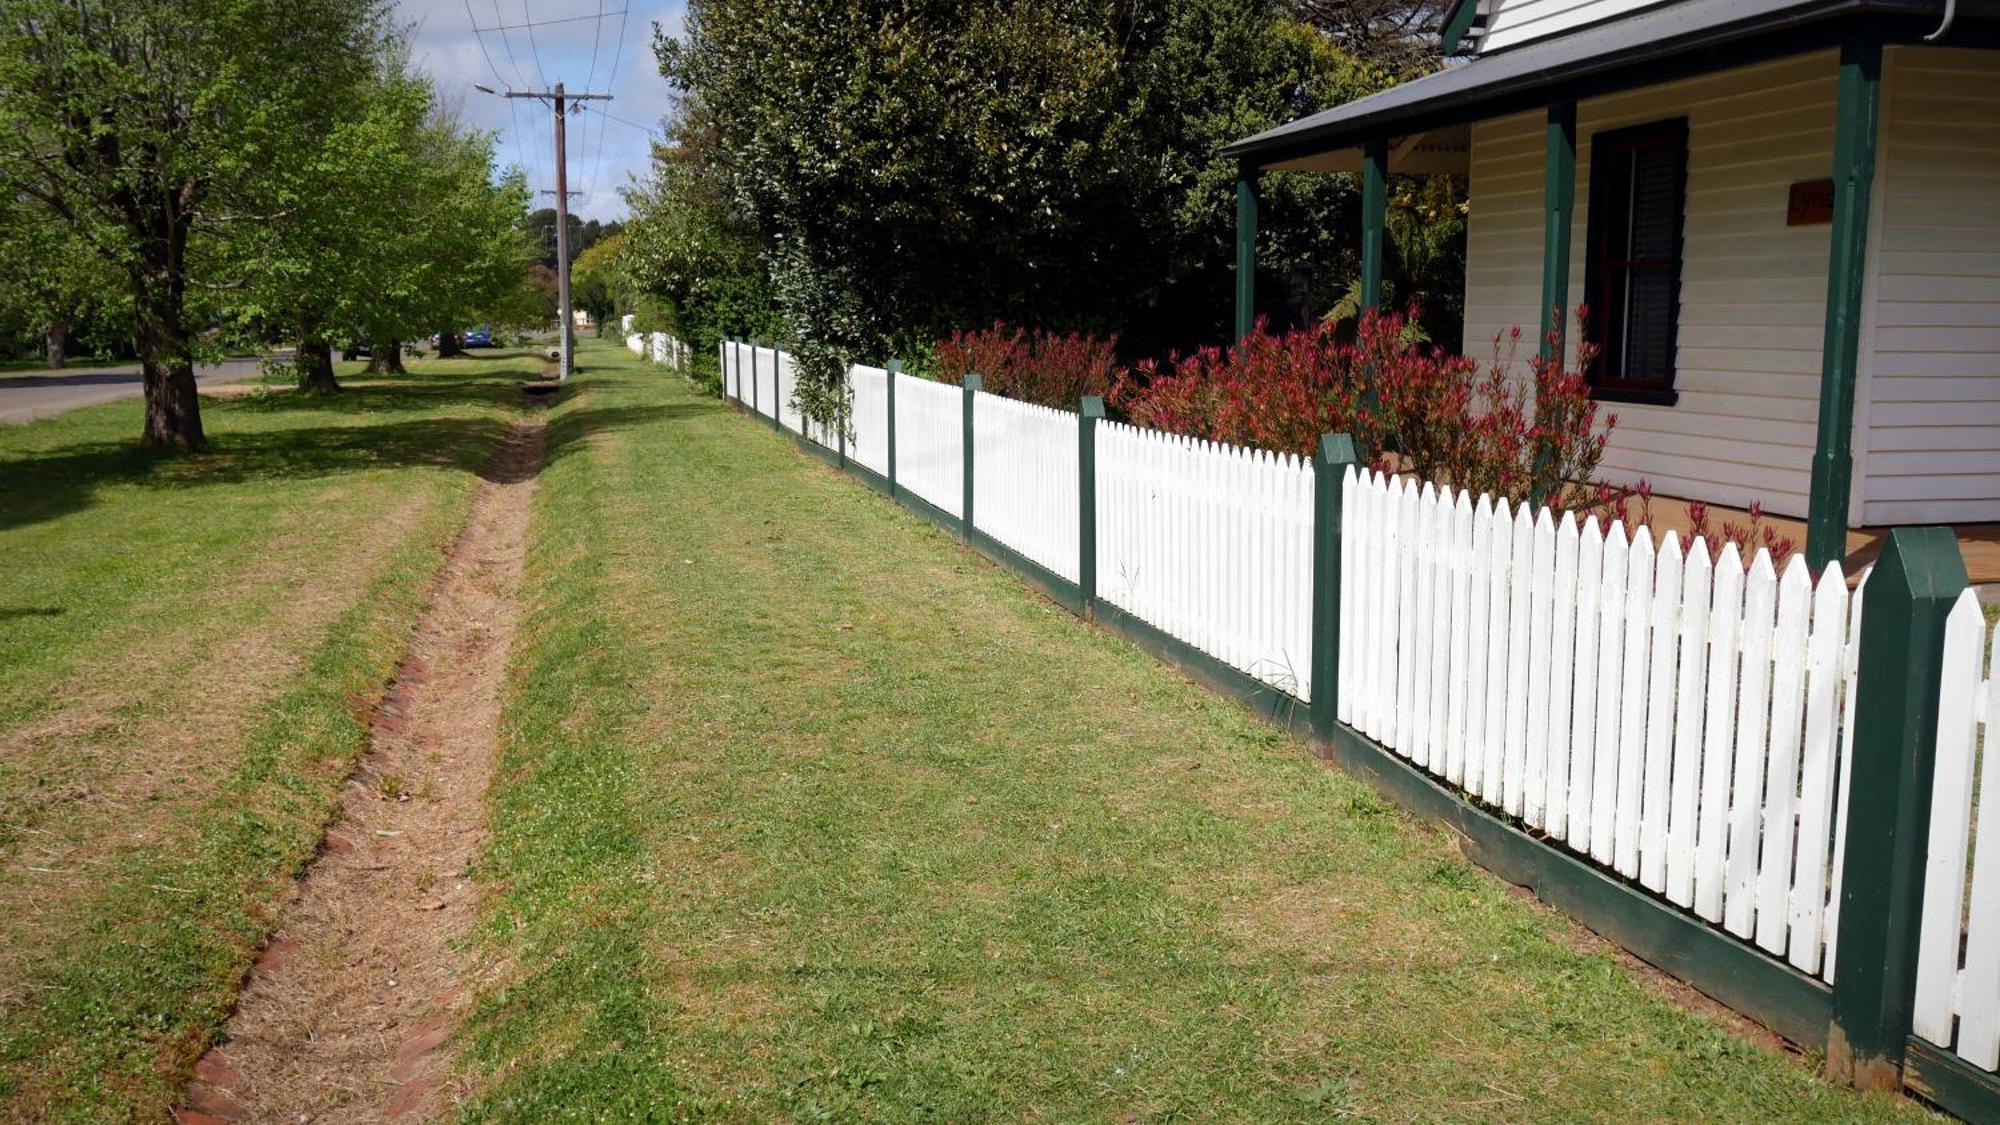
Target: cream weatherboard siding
(1753,291)
(1509,23)
(1929,415)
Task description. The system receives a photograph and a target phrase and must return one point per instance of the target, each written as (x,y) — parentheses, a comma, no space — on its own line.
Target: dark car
(478,338)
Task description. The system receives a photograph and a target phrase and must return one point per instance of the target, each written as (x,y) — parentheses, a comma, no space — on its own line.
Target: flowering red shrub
(1410,408)
(1040,366)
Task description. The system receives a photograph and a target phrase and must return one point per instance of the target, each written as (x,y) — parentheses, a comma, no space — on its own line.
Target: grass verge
(805,812)
(190,645)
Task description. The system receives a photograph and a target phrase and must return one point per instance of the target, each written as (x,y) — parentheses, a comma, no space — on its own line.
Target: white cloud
(568,43)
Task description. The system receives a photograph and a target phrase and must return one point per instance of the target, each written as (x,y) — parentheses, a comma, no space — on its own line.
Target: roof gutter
(1278,144)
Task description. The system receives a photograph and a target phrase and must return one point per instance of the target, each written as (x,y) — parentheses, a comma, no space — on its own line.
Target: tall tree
(154,128)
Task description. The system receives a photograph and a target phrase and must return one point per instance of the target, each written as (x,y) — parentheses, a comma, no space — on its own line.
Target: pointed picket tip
(1590,532)
(1523,521)
(1347,476)
(1567,530)
(1760,565)
(1697,553)
(1428,495)
(1670,547)
(1642,544)
(1543,521)
(1731,558)
(1500,509)
(1831,577)
(1463,505)
(1797,573)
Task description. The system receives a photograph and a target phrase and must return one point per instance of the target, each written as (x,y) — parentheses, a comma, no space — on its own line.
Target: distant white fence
(1958,958)
(659,347)
(1680,720)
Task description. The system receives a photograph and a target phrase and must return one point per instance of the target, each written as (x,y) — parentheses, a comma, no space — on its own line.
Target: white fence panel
(788,386)
(1211,544)
(726,356)
(869,443)
(1024,483)
(636,345)
(930,442)
(1958,952)
(1679,718)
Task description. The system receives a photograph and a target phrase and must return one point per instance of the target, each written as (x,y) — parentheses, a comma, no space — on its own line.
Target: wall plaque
(1811,203)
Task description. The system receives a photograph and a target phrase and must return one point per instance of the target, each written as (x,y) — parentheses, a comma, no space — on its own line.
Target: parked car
(478,338)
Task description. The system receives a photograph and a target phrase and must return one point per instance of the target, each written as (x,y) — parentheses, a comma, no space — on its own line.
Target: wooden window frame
(1605,384)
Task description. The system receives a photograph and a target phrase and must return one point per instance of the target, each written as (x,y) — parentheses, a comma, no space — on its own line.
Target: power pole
(561,101)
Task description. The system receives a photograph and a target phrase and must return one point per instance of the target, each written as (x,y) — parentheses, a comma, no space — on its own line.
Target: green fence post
(1336,456)
(895,366)
(973,383)
(754,398)
(841,417)
(777,396)
(1091,412)
(1910,593)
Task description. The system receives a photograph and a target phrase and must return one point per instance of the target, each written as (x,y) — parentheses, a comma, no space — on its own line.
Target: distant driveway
(31,395)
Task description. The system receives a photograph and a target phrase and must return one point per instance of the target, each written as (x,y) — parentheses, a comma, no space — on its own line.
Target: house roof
(1646,39)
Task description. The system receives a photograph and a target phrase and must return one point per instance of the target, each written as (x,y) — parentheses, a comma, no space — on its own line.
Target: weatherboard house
(1782,215)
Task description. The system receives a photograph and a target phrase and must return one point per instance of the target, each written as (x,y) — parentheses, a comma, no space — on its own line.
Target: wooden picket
(930,442)
(1678,717)
(868,426)
(1024,486)
(1958,952)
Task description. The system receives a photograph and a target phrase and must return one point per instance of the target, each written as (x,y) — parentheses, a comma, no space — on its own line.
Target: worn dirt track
(346,1015)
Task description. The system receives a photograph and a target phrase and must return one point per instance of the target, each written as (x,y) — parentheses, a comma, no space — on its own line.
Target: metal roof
(1648,36)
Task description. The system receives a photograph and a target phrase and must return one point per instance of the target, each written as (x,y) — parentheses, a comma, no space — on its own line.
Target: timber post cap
(1923,562)
(1337,449)
(973,382)
(1092,406)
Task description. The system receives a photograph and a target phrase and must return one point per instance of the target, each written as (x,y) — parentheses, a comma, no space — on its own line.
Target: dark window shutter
(1637,196)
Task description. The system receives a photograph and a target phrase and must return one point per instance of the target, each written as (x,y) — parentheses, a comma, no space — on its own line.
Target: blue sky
(570,43)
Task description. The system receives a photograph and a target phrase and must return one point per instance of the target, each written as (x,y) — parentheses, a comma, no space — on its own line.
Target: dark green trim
(1268,703)
(1917,579)
(1374,218)
(1090,412)
(1457,22)
(973,385)
(1246,252)
(1047,582)
(753,377)
(1558,215)
(1771,992)
(1949,1082)
(895,367)
(1858,108)
(1336,456)
(777,397)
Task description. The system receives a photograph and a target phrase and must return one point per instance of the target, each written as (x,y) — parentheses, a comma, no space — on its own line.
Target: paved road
(26,397)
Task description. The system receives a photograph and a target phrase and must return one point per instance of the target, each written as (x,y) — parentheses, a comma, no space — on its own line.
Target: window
(1638,191)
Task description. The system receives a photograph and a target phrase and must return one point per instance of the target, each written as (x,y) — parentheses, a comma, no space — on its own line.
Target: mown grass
(189,645)
(805,812)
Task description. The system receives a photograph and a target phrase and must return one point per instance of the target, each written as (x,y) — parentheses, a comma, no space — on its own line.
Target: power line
(534,49)
(609,116)
(600,15)
(617,52)
(596,37)
(479,37)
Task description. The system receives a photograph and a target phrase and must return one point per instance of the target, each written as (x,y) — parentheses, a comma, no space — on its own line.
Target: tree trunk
(55,342)
(385,357)
(448,344)
(166,358)
(315,361)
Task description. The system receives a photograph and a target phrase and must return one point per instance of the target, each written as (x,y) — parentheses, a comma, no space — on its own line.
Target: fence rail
(1681,723)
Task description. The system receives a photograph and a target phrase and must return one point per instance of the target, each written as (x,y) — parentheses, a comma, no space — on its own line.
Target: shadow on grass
(69,478)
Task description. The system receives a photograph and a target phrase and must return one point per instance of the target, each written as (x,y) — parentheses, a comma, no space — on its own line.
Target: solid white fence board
(1498,617)
(1788,703)
(1850,667)
(1816,771)
(1952,791)
(1535,746)
(1418,655)
(1478,643)
(1462,631)
(1599,711)
(930,442)
(1759,623)
(1656,806)
(868,424)
(1520,598)
(1563,663)
(1697,576)
(1351,578)
(1979,985)
(1408,594)
(1642,564)
(1024,480)
(1718,734)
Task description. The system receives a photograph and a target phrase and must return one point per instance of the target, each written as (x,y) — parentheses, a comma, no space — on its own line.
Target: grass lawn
(806,812)
(185,645)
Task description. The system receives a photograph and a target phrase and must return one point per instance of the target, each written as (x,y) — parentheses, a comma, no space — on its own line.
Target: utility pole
(562,103)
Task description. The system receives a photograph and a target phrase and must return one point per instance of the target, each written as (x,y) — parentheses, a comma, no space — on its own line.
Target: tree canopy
(904,169)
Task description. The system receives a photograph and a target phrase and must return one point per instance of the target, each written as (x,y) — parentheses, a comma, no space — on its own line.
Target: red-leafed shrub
(1410,408)
(1053,369)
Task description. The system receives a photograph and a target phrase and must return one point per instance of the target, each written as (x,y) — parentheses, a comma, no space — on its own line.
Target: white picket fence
(1958,953)
(1024,486)
(1681,720)
(1211,544)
